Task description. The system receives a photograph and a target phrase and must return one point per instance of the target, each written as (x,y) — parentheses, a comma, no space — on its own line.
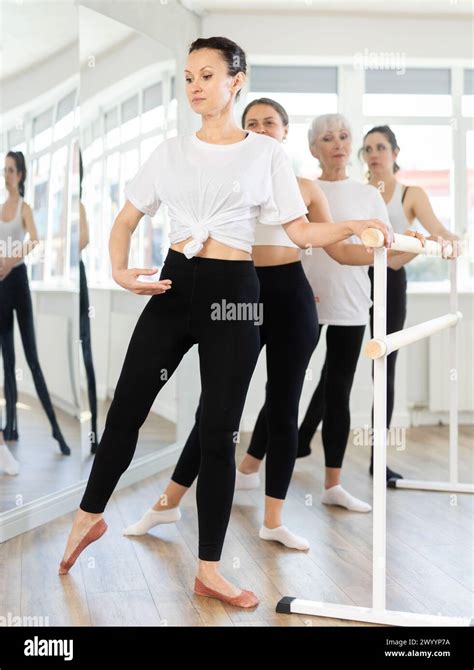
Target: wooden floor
(148,580)
(43,468)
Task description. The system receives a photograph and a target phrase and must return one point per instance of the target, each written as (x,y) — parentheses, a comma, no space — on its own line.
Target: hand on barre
(385,232)
(414,243)
(450,249)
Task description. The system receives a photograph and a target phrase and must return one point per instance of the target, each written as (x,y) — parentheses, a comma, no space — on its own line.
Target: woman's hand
(359,226)
(127,278)
(415,233)
(450,249)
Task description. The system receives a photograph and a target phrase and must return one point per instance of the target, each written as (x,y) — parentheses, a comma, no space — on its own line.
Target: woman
(405,204)
(342,297)
(84,318)
(216,183)
(290,332)
(16,219)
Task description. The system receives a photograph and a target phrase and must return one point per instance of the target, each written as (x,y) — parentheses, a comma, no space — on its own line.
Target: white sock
(246,482)
(152,518)
(7,462)
(336,495)
(285,536)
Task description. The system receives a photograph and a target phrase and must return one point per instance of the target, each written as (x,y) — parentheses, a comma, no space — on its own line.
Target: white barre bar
(422,485)
(376,348)
(372,237)
(288,605)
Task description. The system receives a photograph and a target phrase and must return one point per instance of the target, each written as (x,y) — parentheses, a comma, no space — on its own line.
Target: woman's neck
(388,179)
(333,174)
(219,127)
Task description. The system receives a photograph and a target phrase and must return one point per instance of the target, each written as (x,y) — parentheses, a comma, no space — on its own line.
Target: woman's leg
(165,509)
(85,335)
(24,312)
(314,414)
(159,341)
(396,315)
(7,343)
(7,297)
(343,349)
(228,353)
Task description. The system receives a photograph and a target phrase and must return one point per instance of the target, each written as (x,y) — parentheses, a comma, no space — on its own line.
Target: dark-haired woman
(16,219)
(404,204)
(216,184)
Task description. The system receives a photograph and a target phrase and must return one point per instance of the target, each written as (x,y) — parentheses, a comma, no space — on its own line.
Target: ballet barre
(378,348)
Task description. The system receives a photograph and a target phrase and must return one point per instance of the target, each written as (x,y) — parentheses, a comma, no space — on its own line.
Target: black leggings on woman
(396,315)
(331,400)
(85,334)
(15,296)
(213,303)
(290,332)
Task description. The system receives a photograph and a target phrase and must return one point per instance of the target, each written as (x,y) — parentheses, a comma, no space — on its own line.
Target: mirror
(128,106)
(39,274)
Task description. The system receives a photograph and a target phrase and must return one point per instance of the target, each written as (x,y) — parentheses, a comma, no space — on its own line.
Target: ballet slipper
(94,533)
(246,599)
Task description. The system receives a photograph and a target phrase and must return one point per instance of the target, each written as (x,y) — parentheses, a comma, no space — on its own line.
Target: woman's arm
(330,235)
(422,210)
(83,228)
(119,248)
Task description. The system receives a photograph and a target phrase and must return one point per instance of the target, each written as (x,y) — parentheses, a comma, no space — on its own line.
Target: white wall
(338,38)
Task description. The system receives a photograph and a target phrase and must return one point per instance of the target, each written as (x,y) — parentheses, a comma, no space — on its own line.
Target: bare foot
(83,521)
(210,577)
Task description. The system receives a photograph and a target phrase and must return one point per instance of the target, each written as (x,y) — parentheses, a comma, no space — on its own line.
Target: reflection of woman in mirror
(85,328)
(8,464)
(404,204)
(217,184)
(16,219)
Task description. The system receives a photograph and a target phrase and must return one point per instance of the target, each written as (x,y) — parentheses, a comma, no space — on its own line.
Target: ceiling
(425,7)
(22,47)
(55,25)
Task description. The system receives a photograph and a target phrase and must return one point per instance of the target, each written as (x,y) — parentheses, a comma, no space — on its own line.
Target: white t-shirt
(218,190)
(342,292)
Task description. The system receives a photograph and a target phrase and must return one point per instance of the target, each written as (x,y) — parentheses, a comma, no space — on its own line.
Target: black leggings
(169,325)
(331,400)
(290,333)
(396,315)
(85,335)
(15,296)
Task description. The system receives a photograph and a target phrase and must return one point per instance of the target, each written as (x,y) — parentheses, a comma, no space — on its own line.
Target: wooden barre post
(377,348)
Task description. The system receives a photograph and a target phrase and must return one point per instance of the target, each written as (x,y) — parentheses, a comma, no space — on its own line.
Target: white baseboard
(31,515)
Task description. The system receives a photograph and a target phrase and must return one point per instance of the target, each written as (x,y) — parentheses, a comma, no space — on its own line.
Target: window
(304,92)
(132,128)
(468,93)
(411,92)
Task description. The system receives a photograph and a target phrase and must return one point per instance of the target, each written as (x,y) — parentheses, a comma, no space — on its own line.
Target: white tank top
(13,232)
(395,209)
(275,236)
